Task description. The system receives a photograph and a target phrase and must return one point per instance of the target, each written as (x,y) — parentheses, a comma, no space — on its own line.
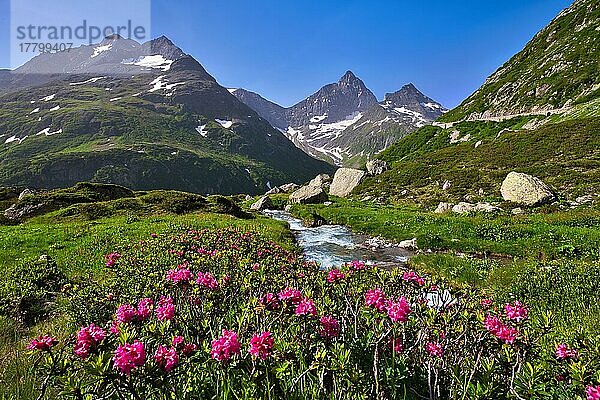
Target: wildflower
(486,303)
(335,275)
(226,346)
(411,276)
(177,341)
(261,345)
(129,356)
(396,345)
(165,309)
(290,295)
(207,280)
(399,311)
(330,327)
(435,349)
(358,265)
(563,352)
(516,311)
(111,259)
(376,298)
(144,309)
(500,330)
(269,301)
(88,338)
(189,349)
(154,235)
(42,343)
(126,313)
(592,392)
(179,275)
(166,358)
(114,327)
(306,307)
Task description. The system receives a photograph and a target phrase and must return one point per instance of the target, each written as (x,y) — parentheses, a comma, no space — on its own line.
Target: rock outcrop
(309,195)
(263,203)
(525,189)
(345,180)
(321,180)
(376,167)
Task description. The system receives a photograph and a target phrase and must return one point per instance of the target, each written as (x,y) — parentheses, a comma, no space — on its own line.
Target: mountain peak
(164,46)
(348,77)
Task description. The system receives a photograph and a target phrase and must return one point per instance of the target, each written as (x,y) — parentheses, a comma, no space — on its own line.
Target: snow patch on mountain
(156,61)
(91,80)
(101,49)
(224,123)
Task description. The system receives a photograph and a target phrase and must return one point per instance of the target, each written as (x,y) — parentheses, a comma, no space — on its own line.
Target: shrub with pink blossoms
(399,311)
(411,276)
(261,345)
(516,311)
(564,352)
(270,301)
(592,392)
(88,338)
(126,313)
(376,299)
(166,358)
(290,295)
(165,310)
(306,307)
(179,275)
(500,330)
(225,347)
(144,309)
(335,275)
(42,343)
(207,280)
(330,327)
(111,259)
(129,356)
(434,349)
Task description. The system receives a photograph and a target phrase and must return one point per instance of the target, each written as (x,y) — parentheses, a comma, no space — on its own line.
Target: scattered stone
(26,192)
(376,167)
(517,211)
(263,203)
(443,208)
(447,185)
(327,203)
(345,180)
(315,221)
(408,244)
(287,208)
(587,199)
(288,187)
(525,189)
(320,180)
(479,143)
(248,197)
(275,190)
(465,208)
(309,195)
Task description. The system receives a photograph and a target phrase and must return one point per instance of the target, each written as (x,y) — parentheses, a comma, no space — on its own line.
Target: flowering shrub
(227,314)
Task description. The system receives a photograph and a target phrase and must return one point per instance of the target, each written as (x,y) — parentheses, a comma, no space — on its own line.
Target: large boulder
(345,180)
(309,195)
(443,208)
(275,190)
(525,189)
(263,203)
(320,180)
(288,187)
(376,167)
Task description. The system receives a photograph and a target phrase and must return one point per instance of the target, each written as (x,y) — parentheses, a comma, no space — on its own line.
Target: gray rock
(408,244)
(17,212)
(320,180)
(309,195)
(275,190)
(262,204)
(26,192)
(588,199)
(463,208)
(376,167)
(288,187)
(287,208)
(525,189)
(345,180)
(486,208)
(248,197)
(443,208)
(517,211)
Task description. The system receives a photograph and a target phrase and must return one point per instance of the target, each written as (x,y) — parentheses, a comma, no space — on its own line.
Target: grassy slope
(78,246)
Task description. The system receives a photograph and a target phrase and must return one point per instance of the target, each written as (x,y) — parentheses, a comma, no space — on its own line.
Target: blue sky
(286,50)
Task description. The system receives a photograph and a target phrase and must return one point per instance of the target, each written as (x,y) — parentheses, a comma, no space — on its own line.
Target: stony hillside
(558,68)
(146,116)
(343,123)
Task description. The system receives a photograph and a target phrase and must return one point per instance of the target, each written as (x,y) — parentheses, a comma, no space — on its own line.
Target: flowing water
(333,245)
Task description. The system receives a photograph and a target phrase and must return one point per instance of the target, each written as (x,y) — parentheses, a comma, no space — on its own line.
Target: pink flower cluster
(165,310)
(335,275)
(42,343)
(144,309)
(376,299)
(398,311)
(435,349)
(179,275)
(226,346)
(186,348)
(516,311)
(126,313)
(411,276)
(306,307)
(396,345)
(88,338)
(358,265)
(166,358)
(330,327)
(261,345)
(499,329)
(291,296)
(270,301)
(207,280)
(592,392)
(111,259)
(129,356)
(563,352)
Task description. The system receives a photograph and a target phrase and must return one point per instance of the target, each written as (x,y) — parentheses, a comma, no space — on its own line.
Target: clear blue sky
(286,50)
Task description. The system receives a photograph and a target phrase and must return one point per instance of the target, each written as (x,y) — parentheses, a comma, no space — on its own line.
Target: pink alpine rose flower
(376,299)
(207,280)
(129,356)
(516,311)
(290,295)
(396,345)
(88,338)
(399,311)
(592,392)
(226,346)
(306,307)
(111,259)
(166,358)
(270,301)
(358,265)
(42,343)
(411,276)
(179,275)
(435,349)
(330,327)
(126,313)
(261,345)
(165,310)
(335,275)
(563,352)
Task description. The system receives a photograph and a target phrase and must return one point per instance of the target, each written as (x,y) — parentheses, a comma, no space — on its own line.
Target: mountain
(558,69)
(343,122)
(539,114)
(146,116)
